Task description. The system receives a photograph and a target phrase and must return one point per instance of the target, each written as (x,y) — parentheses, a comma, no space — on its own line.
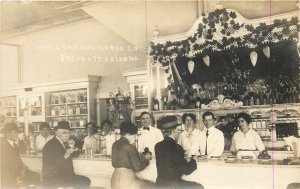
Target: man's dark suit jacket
(11,165)
(170,162)
(55,167)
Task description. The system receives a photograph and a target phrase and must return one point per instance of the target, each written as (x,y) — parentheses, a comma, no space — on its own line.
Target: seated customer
(170,161)
(57,168)
(14,173)
(91,142)
(189,139)
(245,138)
(126,160)
(44,136)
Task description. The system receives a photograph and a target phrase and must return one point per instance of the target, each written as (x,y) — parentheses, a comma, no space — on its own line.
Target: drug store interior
(87,61)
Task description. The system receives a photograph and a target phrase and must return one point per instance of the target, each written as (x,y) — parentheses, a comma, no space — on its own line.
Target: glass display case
(69,105)
(8,109)
(30,107)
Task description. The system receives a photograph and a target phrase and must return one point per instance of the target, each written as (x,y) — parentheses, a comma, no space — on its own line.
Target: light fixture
(253,58)
(191,66)
(266,51)
(206,60)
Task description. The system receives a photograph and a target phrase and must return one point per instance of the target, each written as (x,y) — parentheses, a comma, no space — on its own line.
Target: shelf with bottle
(68,97)
(8,107)
(32,103)
(77,122)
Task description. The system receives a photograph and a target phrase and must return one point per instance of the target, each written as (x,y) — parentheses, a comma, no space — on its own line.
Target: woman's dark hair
(245,116)
(92,124)
(128,127)
(208,114)
(106,121)
(185,115)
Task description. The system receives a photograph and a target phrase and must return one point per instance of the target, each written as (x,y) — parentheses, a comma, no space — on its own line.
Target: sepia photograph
(150,94)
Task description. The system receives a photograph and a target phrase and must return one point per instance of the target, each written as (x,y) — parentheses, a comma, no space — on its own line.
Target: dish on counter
(230,158)
(247,158)
(215,157)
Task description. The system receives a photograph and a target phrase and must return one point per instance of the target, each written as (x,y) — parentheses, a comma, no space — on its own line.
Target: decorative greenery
(221,31)
(218,31)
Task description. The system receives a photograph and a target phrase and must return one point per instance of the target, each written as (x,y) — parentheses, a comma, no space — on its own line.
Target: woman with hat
(126,161)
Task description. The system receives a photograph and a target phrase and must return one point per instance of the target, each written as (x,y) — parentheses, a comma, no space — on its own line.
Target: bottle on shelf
(155,104)
(77,110)
(70,110)
(85,96)
(62,110)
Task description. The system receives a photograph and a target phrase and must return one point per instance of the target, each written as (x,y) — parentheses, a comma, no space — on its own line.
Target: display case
(139,83)
(71,105)
(72,100)
(8,109)
(30,107)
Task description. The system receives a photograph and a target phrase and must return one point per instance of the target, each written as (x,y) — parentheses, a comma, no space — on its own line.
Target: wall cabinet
(72,100)
(30,107)
(8,109)
(69,105)
(139,88)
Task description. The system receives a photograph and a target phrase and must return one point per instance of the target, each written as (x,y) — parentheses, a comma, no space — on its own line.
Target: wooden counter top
(213,174)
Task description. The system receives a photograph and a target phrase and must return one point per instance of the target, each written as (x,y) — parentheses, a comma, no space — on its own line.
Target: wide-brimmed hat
(9,127)
(63,125)
(44,125)
(168,122)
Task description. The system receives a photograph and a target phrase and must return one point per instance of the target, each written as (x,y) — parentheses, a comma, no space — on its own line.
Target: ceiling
(135,21)
(19,17)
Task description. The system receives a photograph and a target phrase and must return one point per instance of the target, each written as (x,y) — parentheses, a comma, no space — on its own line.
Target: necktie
(206,142)
(146,128)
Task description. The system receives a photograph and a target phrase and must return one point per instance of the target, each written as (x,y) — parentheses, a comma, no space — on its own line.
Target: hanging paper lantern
(206,60)
(266,51)
(253,58)
(191,66)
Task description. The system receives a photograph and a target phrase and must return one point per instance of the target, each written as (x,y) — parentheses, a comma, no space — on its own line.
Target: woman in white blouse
(189,138)
(245,139)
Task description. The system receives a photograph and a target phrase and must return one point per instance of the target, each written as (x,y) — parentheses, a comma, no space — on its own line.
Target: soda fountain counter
(276,173)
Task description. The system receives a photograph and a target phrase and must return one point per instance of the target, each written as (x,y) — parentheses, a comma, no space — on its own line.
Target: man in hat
(57,169)
(148,135)
(44,136)
(14,173)
(170,161)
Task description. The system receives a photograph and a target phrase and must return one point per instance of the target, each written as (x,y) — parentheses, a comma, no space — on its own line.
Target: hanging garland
(219,31)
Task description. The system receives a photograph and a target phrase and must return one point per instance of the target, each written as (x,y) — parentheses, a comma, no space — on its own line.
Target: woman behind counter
(189,138)
(91,142)
(245,138)
(126,161)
